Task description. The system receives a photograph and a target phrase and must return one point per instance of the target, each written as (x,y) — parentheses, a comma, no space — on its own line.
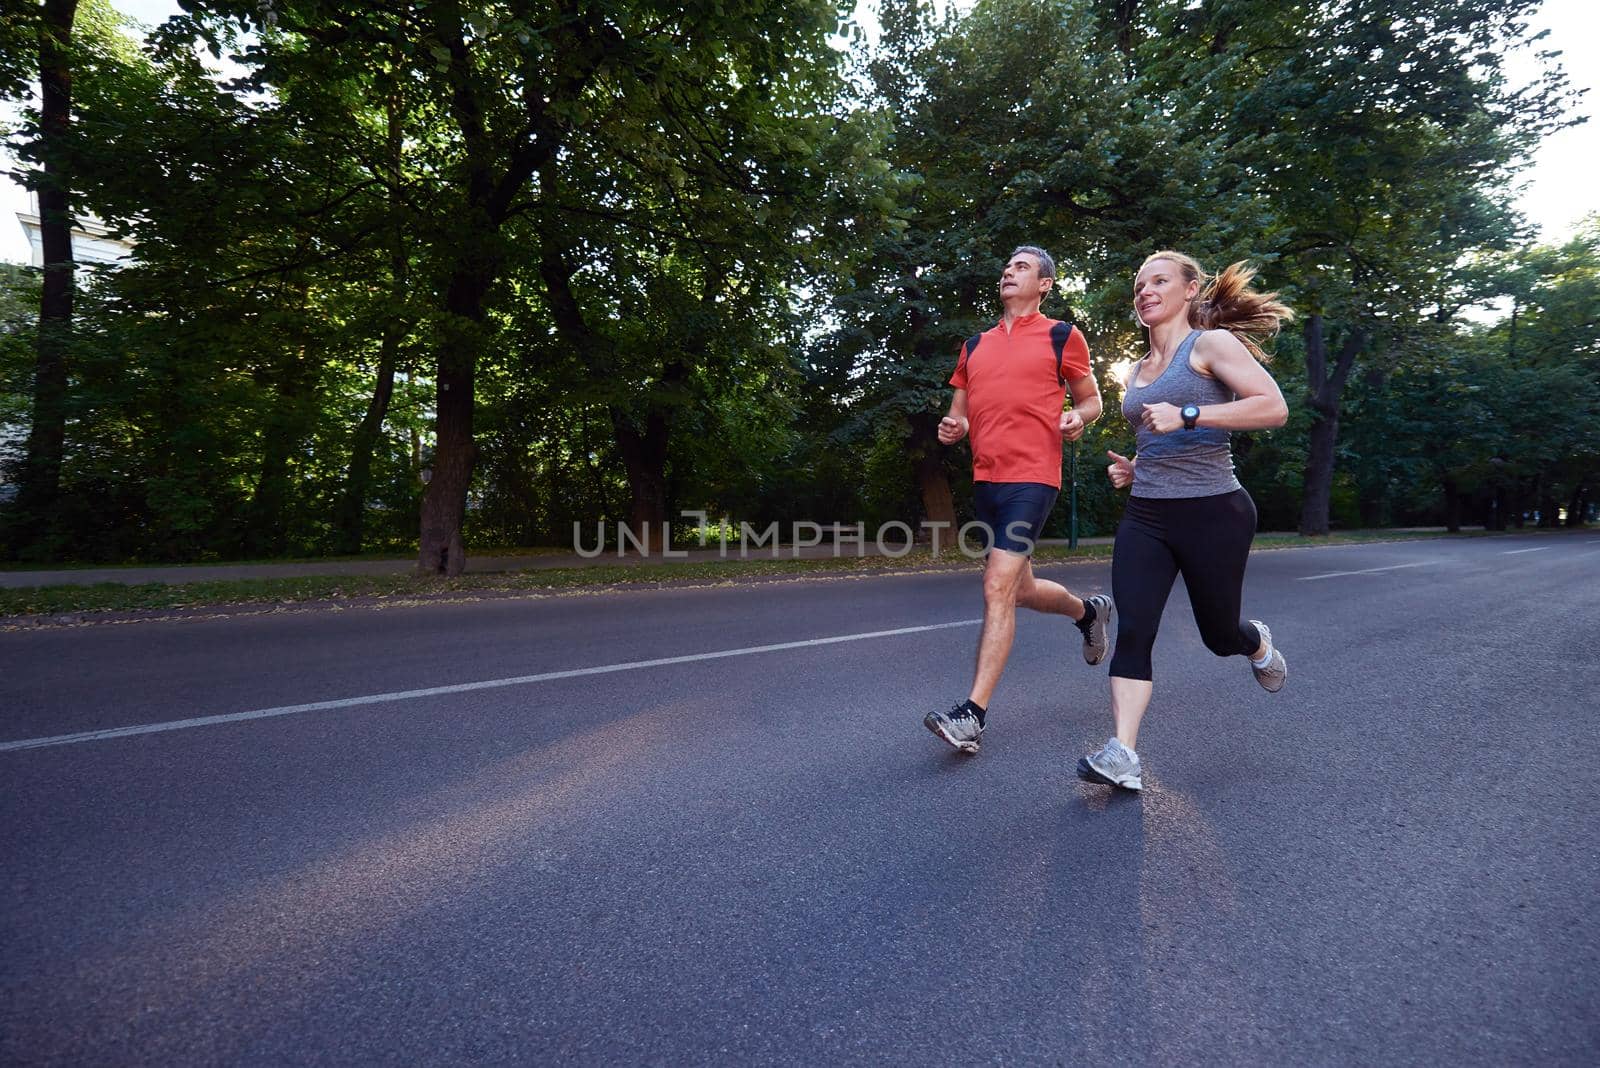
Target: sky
(1558,190)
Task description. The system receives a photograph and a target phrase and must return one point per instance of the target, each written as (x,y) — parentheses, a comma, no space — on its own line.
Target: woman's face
(1161,293)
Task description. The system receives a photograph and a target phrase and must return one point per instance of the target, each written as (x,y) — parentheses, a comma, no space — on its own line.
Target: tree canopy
(425,276)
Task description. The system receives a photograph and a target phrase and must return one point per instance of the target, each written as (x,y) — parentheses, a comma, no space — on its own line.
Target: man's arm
(953,427)
(1085,407)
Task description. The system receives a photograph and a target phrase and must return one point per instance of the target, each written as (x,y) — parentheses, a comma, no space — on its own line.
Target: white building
(92,243)
(92,240)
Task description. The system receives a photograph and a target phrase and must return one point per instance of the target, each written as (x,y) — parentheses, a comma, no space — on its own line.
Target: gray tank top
(1184,463)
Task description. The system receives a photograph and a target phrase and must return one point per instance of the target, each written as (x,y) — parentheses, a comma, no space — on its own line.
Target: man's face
(1021,278)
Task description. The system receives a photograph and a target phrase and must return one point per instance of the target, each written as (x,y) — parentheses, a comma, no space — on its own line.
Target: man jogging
(1010,385)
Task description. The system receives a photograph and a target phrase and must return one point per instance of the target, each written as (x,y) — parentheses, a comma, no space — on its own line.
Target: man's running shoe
(1276,673)
(959,727)
(1114,765)
(1096,634)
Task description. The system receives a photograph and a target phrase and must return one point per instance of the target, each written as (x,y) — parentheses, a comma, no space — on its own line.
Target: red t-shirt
(1016,385)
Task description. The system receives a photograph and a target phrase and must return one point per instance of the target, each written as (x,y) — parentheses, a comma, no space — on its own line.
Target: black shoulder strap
(968,347)
(1059,335)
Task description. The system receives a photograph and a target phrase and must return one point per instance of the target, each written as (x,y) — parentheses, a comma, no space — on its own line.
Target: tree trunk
(1122,16)
(644,458)
(1577,504)
(597,480)
(352,518)
(647,484)
(444,503)
(1452,507)
(286,428)
(1317,501)
(938,503)
(1496,505)
(47,431)
(267,532)
(350,523)
(1549,507)
(1375,508)
(1324,390)
(442,549)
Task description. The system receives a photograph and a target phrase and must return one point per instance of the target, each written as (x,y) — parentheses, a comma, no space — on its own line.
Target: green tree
(657,137)
(19,322)
(1551,341)
(1381,137)
(51,27)
(1013,125)
(1491,423)
(719,180)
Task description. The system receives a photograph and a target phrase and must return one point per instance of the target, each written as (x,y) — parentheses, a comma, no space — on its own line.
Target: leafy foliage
(609,261)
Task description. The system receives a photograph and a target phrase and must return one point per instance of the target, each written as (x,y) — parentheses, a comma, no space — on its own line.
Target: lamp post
(1072,536)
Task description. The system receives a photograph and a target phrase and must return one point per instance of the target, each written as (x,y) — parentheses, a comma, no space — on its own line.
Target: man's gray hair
(1047,266)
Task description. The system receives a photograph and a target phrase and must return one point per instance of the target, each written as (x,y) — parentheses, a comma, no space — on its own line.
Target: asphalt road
(763,858)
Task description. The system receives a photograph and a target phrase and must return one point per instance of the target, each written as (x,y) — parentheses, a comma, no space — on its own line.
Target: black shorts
(1013,514)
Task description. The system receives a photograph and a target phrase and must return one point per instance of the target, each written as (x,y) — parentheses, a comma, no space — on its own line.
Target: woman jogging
(1187,514)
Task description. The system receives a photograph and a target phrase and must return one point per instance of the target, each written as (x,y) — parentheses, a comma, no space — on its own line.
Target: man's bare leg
(1003,577)
(1042,595)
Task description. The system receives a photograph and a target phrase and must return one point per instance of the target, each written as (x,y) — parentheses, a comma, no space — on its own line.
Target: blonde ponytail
(1226,302)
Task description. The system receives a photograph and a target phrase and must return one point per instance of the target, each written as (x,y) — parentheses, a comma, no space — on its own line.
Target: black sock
(1088,615)
(977,710)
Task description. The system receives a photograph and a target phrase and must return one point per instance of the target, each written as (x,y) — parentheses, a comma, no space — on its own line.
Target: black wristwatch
(1190,413)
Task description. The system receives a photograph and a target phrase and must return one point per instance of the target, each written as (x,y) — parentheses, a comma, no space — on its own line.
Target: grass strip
(108,596)
(117,597)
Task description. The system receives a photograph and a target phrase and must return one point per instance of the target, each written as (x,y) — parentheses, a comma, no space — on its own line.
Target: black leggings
(1207,540)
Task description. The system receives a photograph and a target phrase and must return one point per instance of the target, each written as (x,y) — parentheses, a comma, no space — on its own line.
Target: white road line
(1514,552)
(1364,571)
(464,687)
